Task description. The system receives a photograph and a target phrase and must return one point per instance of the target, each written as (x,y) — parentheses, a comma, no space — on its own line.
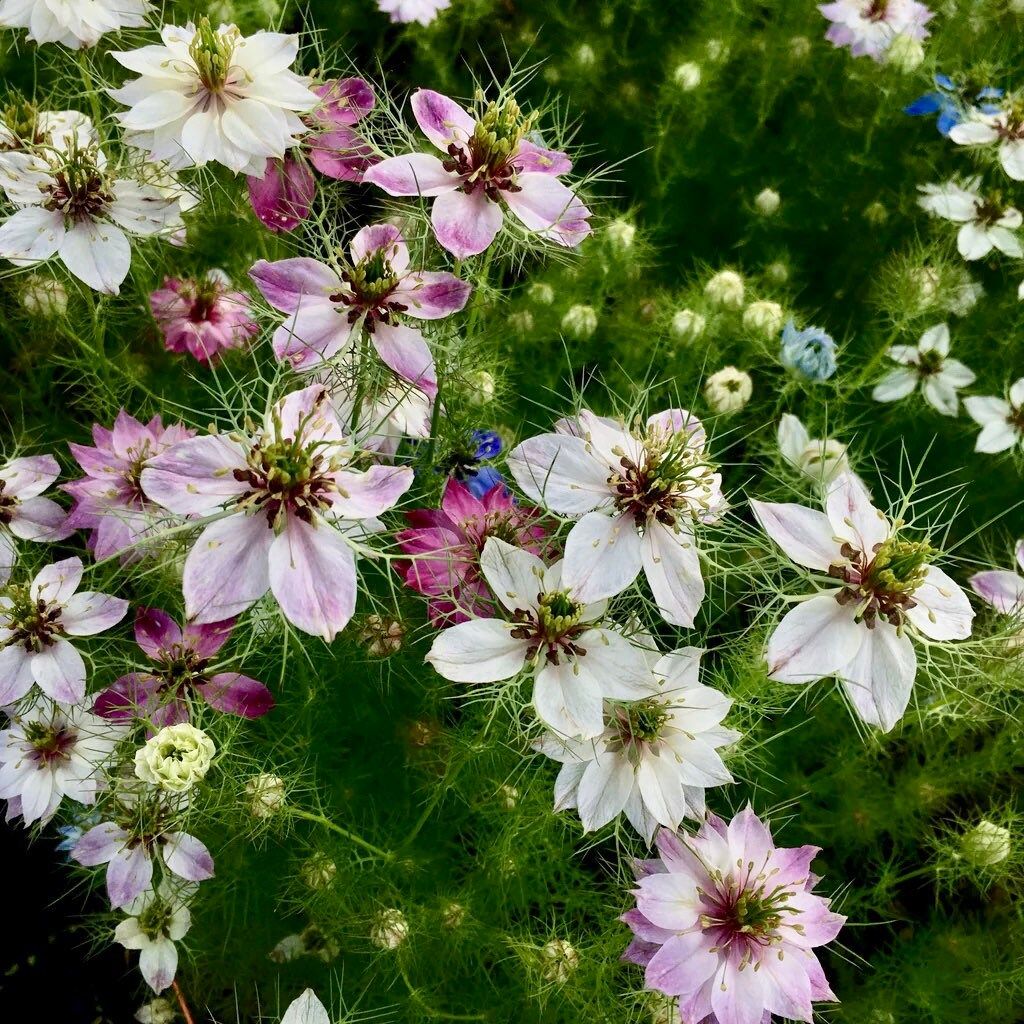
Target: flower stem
(90,89)
(185,1011)
(320,819)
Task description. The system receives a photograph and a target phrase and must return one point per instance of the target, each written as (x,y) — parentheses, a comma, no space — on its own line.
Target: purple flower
(405,11)
(24,513)
(1002,588)
(726,921)
(868,27)
(375,292)
(490,164)
(182,657)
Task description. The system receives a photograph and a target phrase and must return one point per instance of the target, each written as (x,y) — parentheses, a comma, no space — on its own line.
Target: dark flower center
(877,10)
(370,282)
(34,624)
(50,743)
(552,628)
(929,363)
(155,920)
(8,503)
(79,190)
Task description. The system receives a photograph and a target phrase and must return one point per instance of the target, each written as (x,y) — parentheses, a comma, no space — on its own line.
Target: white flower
(176,758)
(821,460)
(75,23)
(986,225)
(877,592)
(580,322)
(307,1009)
(214,95)
(639,495)
(482,384)
(986,845)
(1001,419)
(725,289)
(390,929)
(688,325)
(927,364)
(687,76)
(905,53)
(405,11)
(763,317)
(72,207)
(728,390)
(551,632)
(767,201)
(157,920)
(621,234)
(1005,127)
(656,756)
(24,127)
(49,752)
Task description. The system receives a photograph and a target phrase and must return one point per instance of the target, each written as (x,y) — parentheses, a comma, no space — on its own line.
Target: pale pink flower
(24,513)
(157,919)
(1002,588)
(287,496)
(877,592)
(387,413)
(421,11)
(869,27)
(490,165)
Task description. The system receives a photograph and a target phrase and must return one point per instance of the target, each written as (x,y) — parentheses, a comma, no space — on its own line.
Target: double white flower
(926,364)
(75,23)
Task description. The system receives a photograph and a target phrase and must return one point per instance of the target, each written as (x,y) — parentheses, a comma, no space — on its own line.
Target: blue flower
(465,464)
(950,103)
(811,353)
(71,834)
(483,480)
(488,444)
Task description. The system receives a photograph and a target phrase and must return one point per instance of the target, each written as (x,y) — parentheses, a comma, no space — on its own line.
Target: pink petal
(375,237)
(99,844)
(369,494)
(285,284)
(282,197)
(465,224)
(187,857)
(404,350)
(28,476)
(129,874)
(414,174)
(236,694)
(345,101)
(804,534)
(340,154)
(87,613)
(155,631)
(682,965)
(531,157)
(432,295)
(129,697)
(1002,589)
(196,475)
(441,119)
(56,582)
(60,672)
(39,519)
(547,206)
(669,901)
(207,638)
(16,675)
(318,330)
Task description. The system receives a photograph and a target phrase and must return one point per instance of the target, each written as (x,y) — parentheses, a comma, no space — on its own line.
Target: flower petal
(880,678)
(672,567)
(478,651)
(602,556)
(60,672)
(943,611)
(804,534)
(817,638)
(853,516)
(187,857)
(465,224)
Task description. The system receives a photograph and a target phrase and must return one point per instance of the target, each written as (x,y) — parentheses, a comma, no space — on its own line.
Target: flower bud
(725,289)
(541,292)
(482,387)
(580,322)
(558,960)
(584,55)
(905,53)
(390,929)
(521,321)
(44,296)
(509,796)
(452,915)
(728,390)
(687,325)
(763,317)
(156,1011)
(381,636)
(767,201)
(621,234)
(176,758)
(799,47)
(716,50)
(876,213)
(986,845)
(777,272)
(687,76)
(265,794)
(318,871)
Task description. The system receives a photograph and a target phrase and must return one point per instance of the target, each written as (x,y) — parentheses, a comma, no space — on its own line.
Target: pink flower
(287,497)
(35,622)
(490,164)
(727,922)
(375,292)
(24,513)
(108,500)
(182,657)
(1002,588)
(203,317)
(422,11)
(282,196)
(445,544)
(868,27)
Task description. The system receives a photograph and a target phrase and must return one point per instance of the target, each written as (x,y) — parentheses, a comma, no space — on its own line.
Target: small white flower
(157,919)
(728,390)
(764,317)
(390,929)
(580,322)
(688,325)
(725,289)
(1005,128)
(767,201)
(820,460)
(986,225)
(621,234)
(74,23)
(541,292)
(905,53)
(176,758)
(687,76)
(927,364)
(482,384)
(1001,419)
(986,845)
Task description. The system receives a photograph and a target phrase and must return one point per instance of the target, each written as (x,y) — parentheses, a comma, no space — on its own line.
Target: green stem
(431,1011)
(320,819)
(90,90)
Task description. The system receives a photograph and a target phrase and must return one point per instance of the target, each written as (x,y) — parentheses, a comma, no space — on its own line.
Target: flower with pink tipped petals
(108,500)
(877,592)
(445,545)
(727,922)
(421,11)
(203,317)
(1002,588)
(388,412)
(35,622)
(181,657)
(869,27)
(157,919)
(490,164)
(288,495)
(637,495)
(24,513)
(376,292)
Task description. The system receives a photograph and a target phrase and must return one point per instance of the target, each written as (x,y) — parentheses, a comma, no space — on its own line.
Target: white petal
(880,678)
(307,1009)
(602,556)
(896,384)
(852,514)
(815,639)
(943,611)
(561,472)
(515,576)
(31,234)
(985,409)
(480,651)
(567,699)
(804,534)
(792,438)
(940,395)
(98,254)
(672,567)
(973,241)
(935,339)
(603,790)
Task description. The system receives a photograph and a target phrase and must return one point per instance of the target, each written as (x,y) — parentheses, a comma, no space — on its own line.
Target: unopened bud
(767,201)
(156,1011)
(481,385)
(318,872)
(541,292)
(580,322)
(986,845)
(44,296)
(621,234)
(381,636)
(559,960)
(687,325)
(265,793)
(905,53)
(687,76)
(725,289)
(799,47)
(452,915)
(390,929)
(585,56)
(729,390)
(777,272)
(763,317)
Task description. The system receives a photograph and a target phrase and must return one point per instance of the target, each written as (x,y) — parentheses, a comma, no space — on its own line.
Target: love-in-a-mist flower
(987,223)
(810,353)
(375,292)
(1002,588)
(74,23)
(108,500)
(1001,419)
(548,630)
(870,27)
(876,590)
(48,753)
(181,672)
(35,623)
(211,94)
(203,317)
(822,460)
(491,164)
(389,408)
(307,1009)
(283,195)
(70,205)
(640,494)
(656,756)
(158,918)
(23,126)
(24,513)
(420,11)
(1003,128)
(176,759)
(926,365)
(287,495)
(952,102)
(465,462)
(445,544)
(727,922)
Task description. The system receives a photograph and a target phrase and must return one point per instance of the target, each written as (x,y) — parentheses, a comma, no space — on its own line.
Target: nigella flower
(869,27)
(1002,588)
(1004,128)
(820,459)
(490,165)
(405,11)
(986,223)
(445,544)
(641,493)
(214,95)
(390,409)
(24,513)
(375,292)
(24,127)
(811,353)
(575,660)
(108,500)
(35,622)
(157,919)
(284,498)
(950,103)
(203,317)
(181,672)
(307,1009)
(283,195)
(727,922)
(1001,419)
(656,756)
(465,463)
(878,591)
(74,23)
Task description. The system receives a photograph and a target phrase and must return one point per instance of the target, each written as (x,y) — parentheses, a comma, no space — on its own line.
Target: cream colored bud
(559,960)
(799,47)
(156,1011)
(509,796)
(318,871)
(728,390)
(265,794)
(777,272)
(390,929)
(764,317)
(767,201)
(687,76)
(687,325)
(876,213)
(725,288)
(521,321)
(716,50)
(481,385)
(585,56)
(986,845)
(452,915)
(621,234)
(580,322)
(381,636)
(905,53)
(541,292)
(43,296)
(176,758)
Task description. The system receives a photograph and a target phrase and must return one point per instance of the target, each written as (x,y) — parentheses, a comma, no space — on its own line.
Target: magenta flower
(1002,588)
(444,546)
(182,657)
(376,291)
(108,500)
(490,164)
(868,27)
(203,317)
(288,496)
(727,922)
(283,195)
(24,513)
